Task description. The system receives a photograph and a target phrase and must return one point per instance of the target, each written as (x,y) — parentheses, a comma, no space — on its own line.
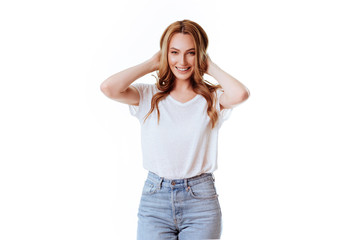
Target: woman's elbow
(243,96)
(105,89)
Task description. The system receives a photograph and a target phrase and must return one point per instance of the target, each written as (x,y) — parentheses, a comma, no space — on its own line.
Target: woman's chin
(183,77)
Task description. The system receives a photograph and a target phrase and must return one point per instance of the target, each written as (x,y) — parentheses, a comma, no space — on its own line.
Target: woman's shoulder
(145,86)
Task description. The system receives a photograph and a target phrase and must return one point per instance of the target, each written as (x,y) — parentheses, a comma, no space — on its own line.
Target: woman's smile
(182,70)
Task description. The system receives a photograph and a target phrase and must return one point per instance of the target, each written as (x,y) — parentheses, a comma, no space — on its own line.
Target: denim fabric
(179,209)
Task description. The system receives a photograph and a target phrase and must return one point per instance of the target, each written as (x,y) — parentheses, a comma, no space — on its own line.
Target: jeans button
(173,183)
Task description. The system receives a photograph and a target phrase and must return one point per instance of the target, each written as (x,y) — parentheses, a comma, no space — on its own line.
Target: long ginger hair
(165,80)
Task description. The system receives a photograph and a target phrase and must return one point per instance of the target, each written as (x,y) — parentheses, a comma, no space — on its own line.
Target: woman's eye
(173,52)
(192,53)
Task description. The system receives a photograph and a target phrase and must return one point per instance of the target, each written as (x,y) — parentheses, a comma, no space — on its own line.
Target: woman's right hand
(155,60)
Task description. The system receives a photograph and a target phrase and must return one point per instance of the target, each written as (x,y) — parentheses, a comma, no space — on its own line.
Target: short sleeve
(146,92)
(226,112)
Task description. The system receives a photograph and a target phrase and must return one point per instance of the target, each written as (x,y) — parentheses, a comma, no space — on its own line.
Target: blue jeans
(179,209)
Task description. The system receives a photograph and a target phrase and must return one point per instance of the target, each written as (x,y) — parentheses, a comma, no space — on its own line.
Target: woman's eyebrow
(179,50)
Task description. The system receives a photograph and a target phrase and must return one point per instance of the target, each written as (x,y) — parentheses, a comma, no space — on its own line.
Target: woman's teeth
(183,69)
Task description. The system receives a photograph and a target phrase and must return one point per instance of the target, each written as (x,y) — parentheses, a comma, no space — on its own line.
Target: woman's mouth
(183,70)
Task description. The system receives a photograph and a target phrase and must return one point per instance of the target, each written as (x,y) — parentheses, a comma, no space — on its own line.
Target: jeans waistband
(176,182)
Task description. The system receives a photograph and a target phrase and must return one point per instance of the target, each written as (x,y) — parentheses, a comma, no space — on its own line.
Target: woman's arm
(234,91)
(116,85)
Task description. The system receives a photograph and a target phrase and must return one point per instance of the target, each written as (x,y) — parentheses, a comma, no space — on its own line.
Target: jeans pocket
(203,190)
(149,188)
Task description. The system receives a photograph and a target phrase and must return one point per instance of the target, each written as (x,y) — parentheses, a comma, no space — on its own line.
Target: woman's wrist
(211,67)
(154,61)
(149,65)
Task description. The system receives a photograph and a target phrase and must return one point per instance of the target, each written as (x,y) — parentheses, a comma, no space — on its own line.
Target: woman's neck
(182,86)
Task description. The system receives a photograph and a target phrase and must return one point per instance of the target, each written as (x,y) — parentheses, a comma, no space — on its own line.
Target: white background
(288,157)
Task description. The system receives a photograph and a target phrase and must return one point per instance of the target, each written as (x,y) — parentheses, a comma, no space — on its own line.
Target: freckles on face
(181,55)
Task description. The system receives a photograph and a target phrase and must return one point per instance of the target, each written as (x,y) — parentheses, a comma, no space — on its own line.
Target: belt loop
(161,179)
(213,176)
(186,184)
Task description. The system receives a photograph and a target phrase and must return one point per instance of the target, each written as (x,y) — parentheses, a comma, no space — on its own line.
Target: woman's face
(181,55)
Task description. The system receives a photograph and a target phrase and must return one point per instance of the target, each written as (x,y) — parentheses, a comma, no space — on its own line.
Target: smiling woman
(179,198)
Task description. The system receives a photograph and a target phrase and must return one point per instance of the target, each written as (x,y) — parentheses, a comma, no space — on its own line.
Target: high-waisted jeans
(179,209)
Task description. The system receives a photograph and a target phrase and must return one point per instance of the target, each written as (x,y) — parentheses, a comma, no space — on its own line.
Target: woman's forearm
(120,81)
(233,88)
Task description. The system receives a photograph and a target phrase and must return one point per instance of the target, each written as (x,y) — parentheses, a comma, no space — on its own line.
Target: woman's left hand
(209,63)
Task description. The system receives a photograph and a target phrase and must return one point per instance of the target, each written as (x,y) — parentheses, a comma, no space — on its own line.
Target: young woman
(180,116)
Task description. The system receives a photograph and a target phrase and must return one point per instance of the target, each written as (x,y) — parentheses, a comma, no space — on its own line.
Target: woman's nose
(183,60)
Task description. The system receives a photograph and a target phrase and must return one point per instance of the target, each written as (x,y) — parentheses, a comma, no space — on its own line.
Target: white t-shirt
(183,145)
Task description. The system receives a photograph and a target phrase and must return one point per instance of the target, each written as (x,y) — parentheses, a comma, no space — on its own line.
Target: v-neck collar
(185,103)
